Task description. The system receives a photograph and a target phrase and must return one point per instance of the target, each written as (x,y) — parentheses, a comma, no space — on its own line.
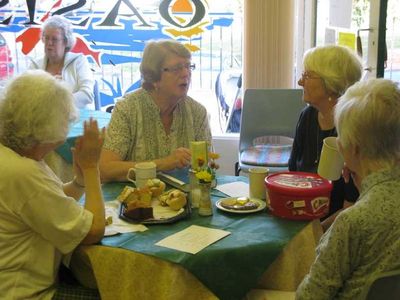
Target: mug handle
(128,175)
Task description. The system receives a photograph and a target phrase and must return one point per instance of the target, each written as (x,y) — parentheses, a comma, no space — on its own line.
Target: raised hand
(88,146)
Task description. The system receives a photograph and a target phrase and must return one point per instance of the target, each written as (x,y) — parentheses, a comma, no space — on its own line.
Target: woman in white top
(41,219)
(73,68)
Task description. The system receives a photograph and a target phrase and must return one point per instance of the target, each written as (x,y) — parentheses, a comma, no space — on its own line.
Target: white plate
(261,206)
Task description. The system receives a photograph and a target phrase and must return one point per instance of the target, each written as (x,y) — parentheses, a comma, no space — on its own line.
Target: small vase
(205,205)
(194,189)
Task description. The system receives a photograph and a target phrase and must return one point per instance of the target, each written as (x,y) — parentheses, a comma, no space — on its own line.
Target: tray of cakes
(152,204)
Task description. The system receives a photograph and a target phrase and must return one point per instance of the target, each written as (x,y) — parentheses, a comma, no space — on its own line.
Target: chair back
(385,285)
(270,115)
(269,112)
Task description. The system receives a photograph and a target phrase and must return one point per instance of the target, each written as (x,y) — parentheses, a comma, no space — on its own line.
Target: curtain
(268,43)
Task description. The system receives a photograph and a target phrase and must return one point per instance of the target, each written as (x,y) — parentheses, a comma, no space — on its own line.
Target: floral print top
(136,132)
(363,241)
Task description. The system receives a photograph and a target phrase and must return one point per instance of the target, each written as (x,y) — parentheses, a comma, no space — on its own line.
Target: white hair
(59,22)
(338,66)
(368,116)
(35,109)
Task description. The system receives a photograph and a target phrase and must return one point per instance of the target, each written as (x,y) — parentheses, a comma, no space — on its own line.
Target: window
(113,43)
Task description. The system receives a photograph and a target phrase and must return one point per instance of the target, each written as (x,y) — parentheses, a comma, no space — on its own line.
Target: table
(262,252)
(60,160)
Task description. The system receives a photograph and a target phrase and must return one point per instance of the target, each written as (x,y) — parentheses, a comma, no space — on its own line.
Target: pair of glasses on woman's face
(307,75)
(53,40)
(178,68)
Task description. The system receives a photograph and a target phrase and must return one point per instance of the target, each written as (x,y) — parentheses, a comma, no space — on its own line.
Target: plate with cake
(240,205)
(151,204)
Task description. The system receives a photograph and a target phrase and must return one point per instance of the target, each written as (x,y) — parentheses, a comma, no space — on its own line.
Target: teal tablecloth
(103,118)
(229,267)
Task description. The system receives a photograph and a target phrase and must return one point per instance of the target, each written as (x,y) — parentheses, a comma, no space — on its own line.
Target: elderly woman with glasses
(158,121)
(41,219)
(328,72)
(364,240)
(72,68)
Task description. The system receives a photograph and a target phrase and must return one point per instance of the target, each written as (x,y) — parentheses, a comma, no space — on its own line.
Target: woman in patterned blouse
(364,240)
(158,121)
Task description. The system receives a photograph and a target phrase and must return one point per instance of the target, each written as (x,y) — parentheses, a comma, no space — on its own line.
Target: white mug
(331,161)
(257,182)
(142,172)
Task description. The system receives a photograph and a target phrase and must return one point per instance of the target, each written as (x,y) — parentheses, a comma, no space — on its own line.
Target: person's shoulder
(308,111)
(15,166)
(73,57)
(358,217)
(381,200)
(132,99)
(135,95)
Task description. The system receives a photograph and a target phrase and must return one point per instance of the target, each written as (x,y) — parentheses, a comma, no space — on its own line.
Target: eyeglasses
(307,76)
(46,39)
(178,68)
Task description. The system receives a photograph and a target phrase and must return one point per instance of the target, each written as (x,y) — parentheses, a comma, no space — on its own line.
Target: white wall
(227,145)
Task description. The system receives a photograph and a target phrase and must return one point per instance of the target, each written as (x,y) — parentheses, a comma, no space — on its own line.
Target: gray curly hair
(59,22)
(35,108)
(154,55)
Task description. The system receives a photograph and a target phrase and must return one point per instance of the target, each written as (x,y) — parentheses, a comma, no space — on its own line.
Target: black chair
(385,285)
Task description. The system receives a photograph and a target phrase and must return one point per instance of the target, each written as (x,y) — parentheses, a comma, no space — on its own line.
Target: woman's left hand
(86,153)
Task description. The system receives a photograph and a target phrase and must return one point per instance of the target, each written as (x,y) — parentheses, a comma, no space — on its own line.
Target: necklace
(318,150)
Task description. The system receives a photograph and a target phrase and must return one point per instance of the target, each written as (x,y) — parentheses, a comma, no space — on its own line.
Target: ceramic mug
(257,182)
(331,161)
(142,172)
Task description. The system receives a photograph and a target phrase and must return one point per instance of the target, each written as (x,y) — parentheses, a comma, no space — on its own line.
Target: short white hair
(338,66)
(36,108)
(59,22)
(368,116)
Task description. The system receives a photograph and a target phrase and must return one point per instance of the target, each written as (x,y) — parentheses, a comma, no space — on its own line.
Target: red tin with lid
(298,195)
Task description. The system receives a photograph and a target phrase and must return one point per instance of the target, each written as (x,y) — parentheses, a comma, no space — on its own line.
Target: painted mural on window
(113,33)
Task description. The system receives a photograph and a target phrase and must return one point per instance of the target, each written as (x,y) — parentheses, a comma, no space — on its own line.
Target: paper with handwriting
(193,239)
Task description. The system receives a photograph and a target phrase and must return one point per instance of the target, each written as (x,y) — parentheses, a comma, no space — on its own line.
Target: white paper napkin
(118,225)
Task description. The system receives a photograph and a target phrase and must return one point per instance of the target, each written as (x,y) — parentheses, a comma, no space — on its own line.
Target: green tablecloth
(103,118)
(231,266)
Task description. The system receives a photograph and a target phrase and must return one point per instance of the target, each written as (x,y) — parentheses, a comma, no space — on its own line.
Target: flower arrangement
(206,173)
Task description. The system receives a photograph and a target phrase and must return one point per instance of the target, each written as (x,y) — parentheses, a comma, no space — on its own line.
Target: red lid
(298,183)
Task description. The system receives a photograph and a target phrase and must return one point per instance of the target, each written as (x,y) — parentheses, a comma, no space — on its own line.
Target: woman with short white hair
(73,68)
(40,218)
(328,72)
(364,240)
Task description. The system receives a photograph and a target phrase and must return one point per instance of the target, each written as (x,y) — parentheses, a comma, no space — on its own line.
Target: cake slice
(137,203)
